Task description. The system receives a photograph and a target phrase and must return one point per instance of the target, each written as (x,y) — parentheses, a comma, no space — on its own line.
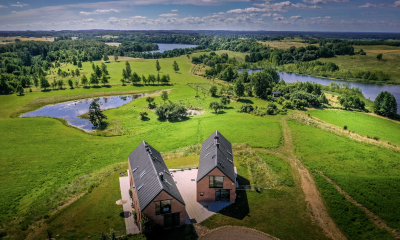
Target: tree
(98,71)
(158,79)
(20,89)
(143,115)
(124,74)
(70,83)
(74,60)
(171,111)
(151,78)
(261,82)
(104,79)
(104,68)
(115,57)
(385,104)
(60,84)
(150,101)
(84,80)
(144,79)
(135,78)
(77,72)
(175,66)
(379,56)
(239,88)
(323,99)
(158,67)
(93,67)
(225,101)
(79,64)
(213,90)
(215,106)
(93,79)
(96,117)
(35,81)
(228,74)
(105,58)
(164,96)
(77,83)
(44,83)
(128,68)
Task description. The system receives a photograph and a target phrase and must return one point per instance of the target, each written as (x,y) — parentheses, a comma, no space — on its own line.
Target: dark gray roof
(216,152)
(147,164)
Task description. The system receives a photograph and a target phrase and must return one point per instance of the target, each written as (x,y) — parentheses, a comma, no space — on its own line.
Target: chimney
(161,176)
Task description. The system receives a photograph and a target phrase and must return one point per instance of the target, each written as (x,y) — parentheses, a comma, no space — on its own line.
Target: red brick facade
(150,210)
(203,186)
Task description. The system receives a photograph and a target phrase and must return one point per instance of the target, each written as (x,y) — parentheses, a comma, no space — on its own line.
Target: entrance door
(171,220)
(222,195)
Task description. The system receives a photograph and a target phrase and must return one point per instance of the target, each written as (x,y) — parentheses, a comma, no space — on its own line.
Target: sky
(268,15)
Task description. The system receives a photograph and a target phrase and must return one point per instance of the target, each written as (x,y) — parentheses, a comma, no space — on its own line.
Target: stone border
(251,229)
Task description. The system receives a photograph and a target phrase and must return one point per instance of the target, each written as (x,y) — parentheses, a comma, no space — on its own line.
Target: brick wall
(135,199)
(176,206)
(209,193)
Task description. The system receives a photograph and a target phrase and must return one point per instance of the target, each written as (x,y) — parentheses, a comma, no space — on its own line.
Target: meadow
(368,173)
(361,123)
(34,172)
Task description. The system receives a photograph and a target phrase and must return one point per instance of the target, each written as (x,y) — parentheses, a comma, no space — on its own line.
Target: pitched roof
(147,164)
(216,152)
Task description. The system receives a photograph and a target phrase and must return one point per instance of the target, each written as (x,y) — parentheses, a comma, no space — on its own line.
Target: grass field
(4,40)
(389,64)
(362,124)
(284,44)
(368,173)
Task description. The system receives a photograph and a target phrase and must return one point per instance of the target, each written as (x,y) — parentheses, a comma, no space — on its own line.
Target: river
(369,90)
(165,47)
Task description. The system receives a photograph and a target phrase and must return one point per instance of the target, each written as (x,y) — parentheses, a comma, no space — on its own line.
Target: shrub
(247,108)
(143,115)
(345,127)
(287,104)
(171,111)
(376,138)
(213,90)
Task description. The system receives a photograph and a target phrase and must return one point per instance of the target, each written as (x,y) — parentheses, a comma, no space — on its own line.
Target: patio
(197,211)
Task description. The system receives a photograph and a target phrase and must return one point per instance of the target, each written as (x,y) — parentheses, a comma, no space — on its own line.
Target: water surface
(72,109)
(370,90)
(165,47)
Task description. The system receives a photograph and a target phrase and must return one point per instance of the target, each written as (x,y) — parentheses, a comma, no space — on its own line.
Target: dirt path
(315,205)
(379,222)
(235,233)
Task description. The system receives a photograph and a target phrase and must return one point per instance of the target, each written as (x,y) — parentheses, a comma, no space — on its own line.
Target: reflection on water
(71,110)
(369,90)
(165,47)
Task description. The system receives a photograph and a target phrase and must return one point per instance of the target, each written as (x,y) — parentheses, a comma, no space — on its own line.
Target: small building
(154,192)
(216,177)
(276,94)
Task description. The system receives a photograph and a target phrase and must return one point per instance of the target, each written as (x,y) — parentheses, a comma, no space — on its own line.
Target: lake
(72,109)
(165,47)
(369,90)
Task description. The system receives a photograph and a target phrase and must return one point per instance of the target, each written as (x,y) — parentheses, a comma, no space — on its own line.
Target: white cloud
(295,17)
(323,1)
(396,4)
(271,15)
(274,7)
(98,11)
(328,17)
(369,5)
(88,20)
(138,17)
(18,4)
(174,10)
(279,18)
(168,15)
(1,6)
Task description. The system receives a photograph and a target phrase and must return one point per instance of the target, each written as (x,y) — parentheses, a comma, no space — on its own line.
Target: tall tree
(158,67)
(115,57)
(98,71)
(79,64)
(104,68)
(84,80)
(135,78)
(144,79)
(70,83)
(104,79)
(128,68)
(175,66)
(96,116)
(20,89)
(105,58)
(215,106)
(94,79)
(239,88)
(77,72)
(158,79)
(44,83)
(385,104)
(164,96)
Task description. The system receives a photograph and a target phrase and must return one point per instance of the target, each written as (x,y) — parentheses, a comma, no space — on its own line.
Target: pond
(71,110)
(165,47)
(369,90)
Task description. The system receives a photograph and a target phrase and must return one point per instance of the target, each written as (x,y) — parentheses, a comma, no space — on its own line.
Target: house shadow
(125,214)
(240,208)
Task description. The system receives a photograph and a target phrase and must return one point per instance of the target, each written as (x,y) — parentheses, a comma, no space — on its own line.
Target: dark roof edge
(154,167)
(198,180)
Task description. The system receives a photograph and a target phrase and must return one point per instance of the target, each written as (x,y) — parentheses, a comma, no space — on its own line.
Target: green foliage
(164,96)
(280,166)
(150,101)
(247,108)
(322,99)
(304,99)
(379,56)
(216,106)
(105,58)
(96,116)
(171,111)
(239,88)
(158,67)
(70,83)
(385,104)
(225,100)
(84,80)
(135,78)
(345,127)
(20,90)
(213,90)
(351,101)
(175,66)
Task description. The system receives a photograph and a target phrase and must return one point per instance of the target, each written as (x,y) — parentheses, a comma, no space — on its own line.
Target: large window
(216,182)
(163,207)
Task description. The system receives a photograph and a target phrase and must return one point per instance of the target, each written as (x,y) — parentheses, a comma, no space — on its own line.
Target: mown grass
(348,162)
(363,124)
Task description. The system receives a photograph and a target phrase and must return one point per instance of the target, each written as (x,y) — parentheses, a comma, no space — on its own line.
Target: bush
(345,127)
(287,104)
(213,90)
(171,111)
(247,108)
(143,115)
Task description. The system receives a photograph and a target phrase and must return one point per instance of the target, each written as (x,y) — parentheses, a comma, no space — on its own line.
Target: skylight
(140,187)
(142,174)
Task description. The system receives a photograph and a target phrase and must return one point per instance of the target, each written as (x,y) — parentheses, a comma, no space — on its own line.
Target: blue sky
(270,15)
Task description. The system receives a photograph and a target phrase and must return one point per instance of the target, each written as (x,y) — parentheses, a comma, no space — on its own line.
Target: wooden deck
(197,211)
(131,227)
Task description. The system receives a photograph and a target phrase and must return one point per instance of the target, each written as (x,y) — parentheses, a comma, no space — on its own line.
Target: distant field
(3,40)
(362,124)
(389,64)
(113,44)
(370,174)
(284,44)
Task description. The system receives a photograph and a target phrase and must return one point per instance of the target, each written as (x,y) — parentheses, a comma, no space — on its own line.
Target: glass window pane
(219,182)
(158,210)
(166,206)
(211,181)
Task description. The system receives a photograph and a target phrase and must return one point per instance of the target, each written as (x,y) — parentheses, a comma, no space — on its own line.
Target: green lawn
(368,173)
(362,124)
